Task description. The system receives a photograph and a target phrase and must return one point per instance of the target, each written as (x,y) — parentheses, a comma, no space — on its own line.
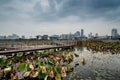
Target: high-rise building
(82,33)
(77,34)
(90,35)
(114,33)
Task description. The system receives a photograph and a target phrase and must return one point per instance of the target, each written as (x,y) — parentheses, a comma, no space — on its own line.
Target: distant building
(54,37)
(23,37)
(96,35)
(82,33)
(90,36)
(72,36)
(77,34)
(64,36)
(67,36)
(114,34)
(38,37)
(45,37)
(2,37)
(13,36)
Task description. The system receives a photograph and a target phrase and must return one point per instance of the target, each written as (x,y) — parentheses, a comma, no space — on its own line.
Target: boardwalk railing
(56,45)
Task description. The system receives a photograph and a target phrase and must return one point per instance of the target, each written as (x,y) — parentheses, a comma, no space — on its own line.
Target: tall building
(114,33)
(82,33)
(90,35)
(77,34)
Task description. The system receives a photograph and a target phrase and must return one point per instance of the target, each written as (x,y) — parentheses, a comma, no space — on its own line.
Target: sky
(38,17)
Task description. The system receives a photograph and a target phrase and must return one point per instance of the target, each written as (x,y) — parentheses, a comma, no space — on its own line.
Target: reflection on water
(98,66)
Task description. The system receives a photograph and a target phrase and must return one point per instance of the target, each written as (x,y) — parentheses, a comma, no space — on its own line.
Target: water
(98,66)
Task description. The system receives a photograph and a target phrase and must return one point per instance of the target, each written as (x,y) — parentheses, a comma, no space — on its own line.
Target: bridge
(56,45)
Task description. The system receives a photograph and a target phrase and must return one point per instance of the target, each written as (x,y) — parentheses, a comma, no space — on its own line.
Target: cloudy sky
(33,17)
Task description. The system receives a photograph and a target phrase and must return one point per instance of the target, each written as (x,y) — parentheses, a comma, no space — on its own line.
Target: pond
(97,66)
(84,64)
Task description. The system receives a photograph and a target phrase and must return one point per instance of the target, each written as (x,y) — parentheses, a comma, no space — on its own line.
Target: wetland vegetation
(95,60)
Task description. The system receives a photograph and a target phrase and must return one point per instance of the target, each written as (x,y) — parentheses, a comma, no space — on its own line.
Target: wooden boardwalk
(36,48)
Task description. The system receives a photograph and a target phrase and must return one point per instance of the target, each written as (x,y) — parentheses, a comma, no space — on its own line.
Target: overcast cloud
(33,17)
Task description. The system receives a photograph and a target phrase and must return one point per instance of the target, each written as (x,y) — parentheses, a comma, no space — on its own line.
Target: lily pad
(51,61)
(26,74)
(58,77)
(22,66)
(6,70)
(68,68)
(20,54)
(36,74)
(41,75)
(37,62)
(2,62)
(57,69)
(76,55)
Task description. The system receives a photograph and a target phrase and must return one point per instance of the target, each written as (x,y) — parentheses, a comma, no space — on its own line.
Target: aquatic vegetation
(44,65)
(57,65)
(100,46)
(22,66)
(6,70)
(83,61)
(20,54)
(26,74)
(76,55)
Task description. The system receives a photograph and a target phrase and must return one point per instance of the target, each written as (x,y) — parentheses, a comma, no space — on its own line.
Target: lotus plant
(63,72)
(44,69)
(51,74)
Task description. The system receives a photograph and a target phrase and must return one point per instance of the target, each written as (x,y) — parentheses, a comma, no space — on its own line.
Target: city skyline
(34,17)
(76,35)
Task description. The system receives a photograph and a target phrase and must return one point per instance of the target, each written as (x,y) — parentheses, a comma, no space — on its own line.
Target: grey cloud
(91,8)
(57,9)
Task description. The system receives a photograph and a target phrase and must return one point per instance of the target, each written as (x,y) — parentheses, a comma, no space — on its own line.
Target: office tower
(114,33)
(82,33)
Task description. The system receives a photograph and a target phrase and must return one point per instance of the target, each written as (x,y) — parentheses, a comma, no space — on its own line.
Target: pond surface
(98,66)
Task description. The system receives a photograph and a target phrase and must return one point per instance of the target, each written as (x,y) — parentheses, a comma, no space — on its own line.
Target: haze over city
(34,17)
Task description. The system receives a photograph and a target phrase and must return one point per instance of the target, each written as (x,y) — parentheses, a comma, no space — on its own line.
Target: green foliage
(22,66)
(45,53)
(20,54)
(58,77)
(57,70)
(51,62)
(76,55)
(37,62)
(3,62)
(68,68)
(41,75)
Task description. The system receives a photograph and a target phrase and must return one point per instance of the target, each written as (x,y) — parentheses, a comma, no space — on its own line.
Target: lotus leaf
(6,70)
(20,54)
(76,55)
(57,77)
(26,74)
(22,66)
